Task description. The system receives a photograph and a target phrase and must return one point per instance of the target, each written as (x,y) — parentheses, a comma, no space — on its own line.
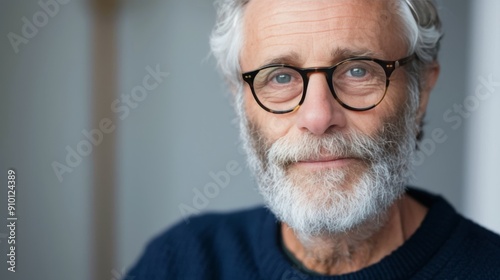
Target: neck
(335,254)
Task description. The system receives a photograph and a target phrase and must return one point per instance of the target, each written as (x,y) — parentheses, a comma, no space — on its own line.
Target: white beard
(338,200)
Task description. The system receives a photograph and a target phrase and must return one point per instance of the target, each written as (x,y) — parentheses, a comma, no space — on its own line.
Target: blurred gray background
(82,63)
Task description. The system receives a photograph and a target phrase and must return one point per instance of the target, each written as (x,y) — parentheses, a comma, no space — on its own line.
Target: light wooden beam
(105,90)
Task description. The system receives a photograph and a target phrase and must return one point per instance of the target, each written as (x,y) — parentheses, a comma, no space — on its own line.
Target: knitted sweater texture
(246,245)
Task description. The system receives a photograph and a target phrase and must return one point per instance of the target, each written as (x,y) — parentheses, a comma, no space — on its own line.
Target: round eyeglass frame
(387,65)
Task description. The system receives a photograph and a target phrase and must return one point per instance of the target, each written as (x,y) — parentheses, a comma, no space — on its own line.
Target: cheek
(272,126)
(369,122)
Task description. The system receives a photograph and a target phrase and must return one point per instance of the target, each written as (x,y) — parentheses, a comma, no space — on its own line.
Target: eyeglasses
(358,84)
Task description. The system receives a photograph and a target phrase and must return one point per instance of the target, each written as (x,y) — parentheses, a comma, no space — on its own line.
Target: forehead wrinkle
(330,24)
(294,13)
(323,23)
(342,5)
(309,32)
(318,21)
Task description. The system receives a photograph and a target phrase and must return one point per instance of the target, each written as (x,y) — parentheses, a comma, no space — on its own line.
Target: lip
(328,162)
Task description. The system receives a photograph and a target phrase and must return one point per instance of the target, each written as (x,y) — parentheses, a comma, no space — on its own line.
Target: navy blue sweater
(246,245)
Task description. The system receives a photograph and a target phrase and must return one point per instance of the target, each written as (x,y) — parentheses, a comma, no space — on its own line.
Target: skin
(317,34)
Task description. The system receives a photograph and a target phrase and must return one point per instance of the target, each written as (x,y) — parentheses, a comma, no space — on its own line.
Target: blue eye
(357,72)
(283,78)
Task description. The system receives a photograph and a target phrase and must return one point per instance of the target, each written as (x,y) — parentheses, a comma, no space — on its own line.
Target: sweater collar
(404,262)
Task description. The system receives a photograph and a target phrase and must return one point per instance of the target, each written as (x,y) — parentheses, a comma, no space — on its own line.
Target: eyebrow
(344,53)
(336,55)
(290,59)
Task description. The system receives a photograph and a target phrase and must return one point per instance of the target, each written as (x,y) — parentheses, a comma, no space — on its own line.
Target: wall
(481,108)
(44,107)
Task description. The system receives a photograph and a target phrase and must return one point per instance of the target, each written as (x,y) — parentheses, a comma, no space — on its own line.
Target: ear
(430,76)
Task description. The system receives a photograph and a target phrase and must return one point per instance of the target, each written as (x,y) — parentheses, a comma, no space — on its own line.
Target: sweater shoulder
(481,240)
(465,250)
(208,226)
(199,244)
(232,220)
(473,252)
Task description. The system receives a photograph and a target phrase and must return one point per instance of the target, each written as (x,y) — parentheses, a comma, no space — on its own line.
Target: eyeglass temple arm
(405,60)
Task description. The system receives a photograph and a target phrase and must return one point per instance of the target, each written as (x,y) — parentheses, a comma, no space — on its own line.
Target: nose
(320,111)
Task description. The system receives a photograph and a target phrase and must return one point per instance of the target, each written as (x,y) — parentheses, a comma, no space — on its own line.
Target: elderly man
(331,96)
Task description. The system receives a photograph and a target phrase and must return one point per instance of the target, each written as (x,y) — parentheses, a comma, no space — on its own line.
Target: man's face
(323,157)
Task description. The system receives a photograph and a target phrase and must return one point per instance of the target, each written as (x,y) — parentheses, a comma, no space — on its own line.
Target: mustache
(287,150)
